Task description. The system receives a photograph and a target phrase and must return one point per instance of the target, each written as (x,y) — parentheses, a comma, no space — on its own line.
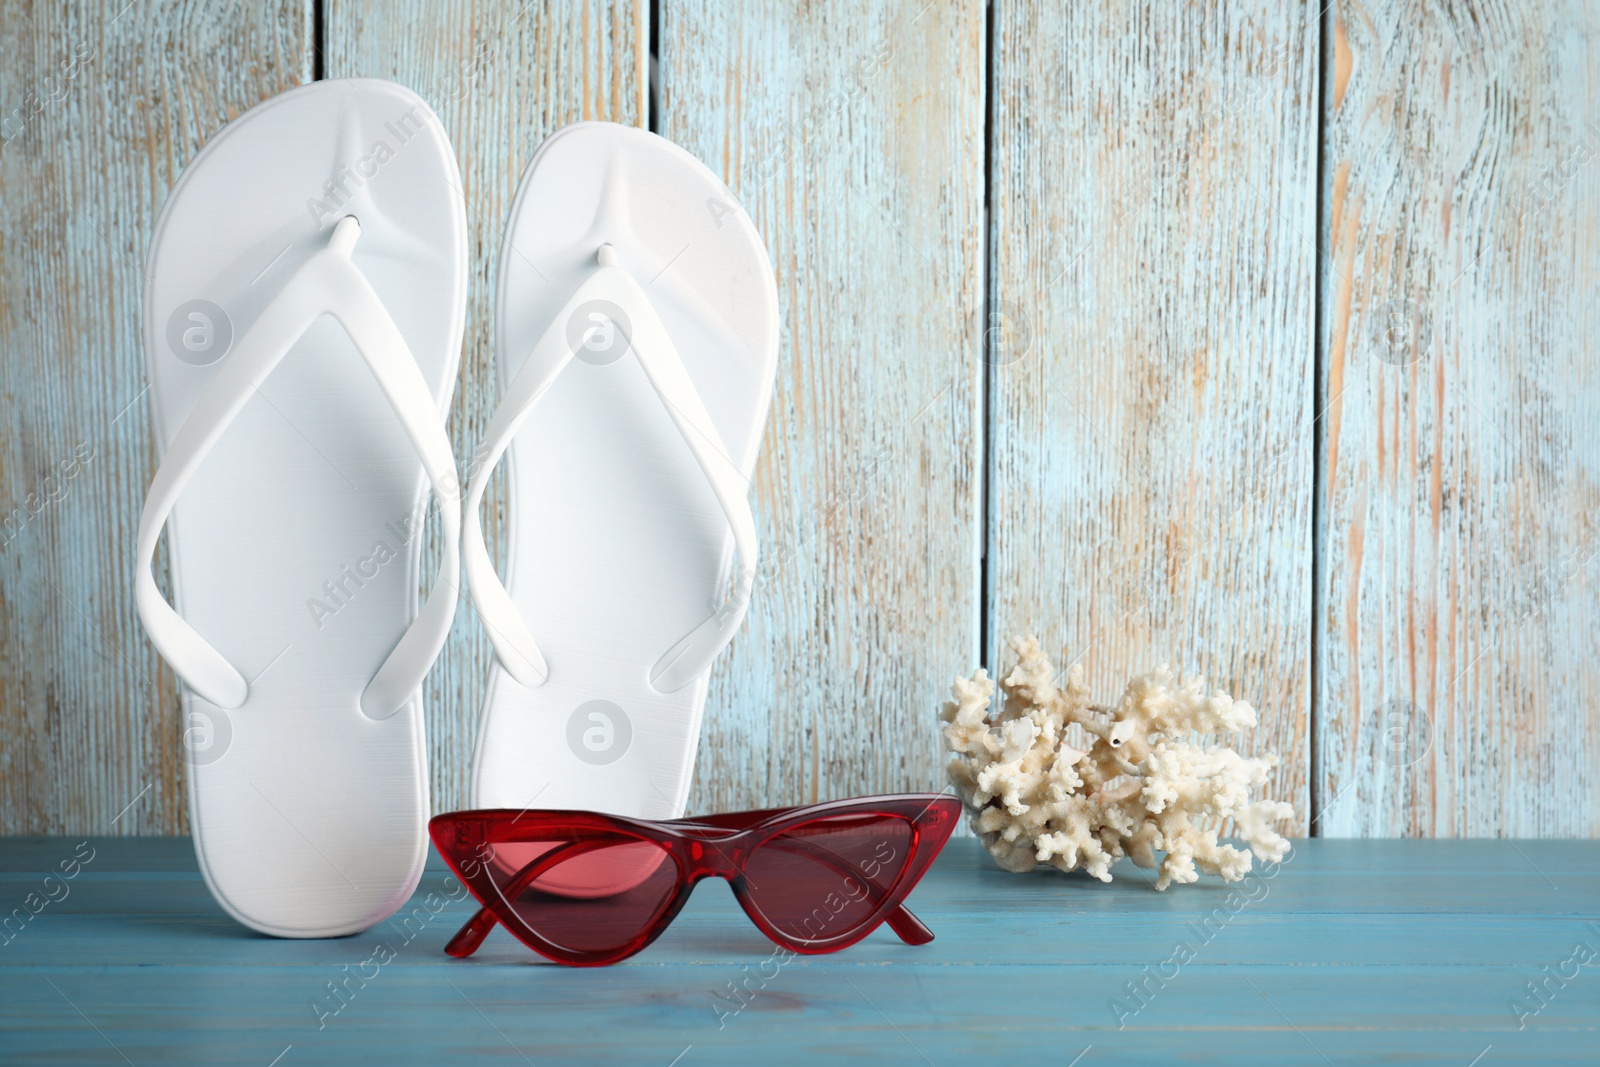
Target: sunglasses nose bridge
(707,857)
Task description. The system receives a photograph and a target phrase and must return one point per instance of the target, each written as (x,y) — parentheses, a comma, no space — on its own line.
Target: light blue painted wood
(853,135)
(102,102)
(1150,219)
(1459,628)
(1152,213)
(1360,952)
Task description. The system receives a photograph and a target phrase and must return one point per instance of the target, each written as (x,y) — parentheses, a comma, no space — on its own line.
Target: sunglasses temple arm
(907,927)
(470,936)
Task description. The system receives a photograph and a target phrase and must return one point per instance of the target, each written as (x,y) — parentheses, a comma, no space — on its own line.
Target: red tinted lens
(589,893)
(821,880)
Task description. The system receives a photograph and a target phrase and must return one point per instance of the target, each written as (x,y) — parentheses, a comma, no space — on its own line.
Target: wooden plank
(809,1012)
(853,135)
(103,104)
(502,77)
(1362,952)
(1150,425)
(1459,619)
(1487,904)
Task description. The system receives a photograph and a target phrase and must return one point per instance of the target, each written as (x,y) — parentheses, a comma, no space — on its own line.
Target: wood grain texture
(1160,455)
(1459,620)
(1153,211)
(853,135)
(1349,952)
(501,77)
(103,105)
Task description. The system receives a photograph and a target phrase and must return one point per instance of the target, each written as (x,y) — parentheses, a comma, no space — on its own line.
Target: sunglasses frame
(704,847)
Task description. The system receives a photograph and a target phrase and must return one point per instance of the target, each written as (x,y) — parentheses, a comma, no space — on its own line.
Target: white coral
(1150,782)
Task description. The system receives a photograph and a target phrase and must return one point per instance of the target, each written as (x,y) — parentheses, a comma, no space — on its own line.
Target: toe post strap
(650,344)
(328,283)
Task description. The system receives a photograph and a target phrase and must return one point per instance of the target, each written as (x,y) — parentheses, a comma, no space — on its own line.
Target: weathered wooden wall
(1256,339)
(1154,213)
(854,137)
(103,104)
(1459,622)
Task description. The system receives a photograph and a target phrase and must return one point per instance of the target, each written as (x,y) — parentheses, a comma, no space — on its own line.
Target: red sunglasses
(587,889)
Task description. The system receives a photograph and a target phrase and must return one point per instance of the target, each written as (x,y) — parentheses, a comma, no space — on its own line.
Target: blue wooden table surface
(1349,952)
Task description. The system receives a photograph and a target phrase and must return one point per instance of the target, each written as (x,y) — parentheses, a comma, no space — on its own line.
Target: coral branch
(1149,777)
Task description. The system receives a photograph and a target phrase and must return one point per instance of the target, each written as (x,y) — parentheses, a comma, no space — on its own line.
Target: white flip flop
(637,336)
(303,317)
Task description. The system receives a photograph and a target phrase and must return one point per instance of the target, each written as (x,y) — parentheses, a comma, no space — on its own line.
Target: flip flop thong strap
(329,283)
(650,344)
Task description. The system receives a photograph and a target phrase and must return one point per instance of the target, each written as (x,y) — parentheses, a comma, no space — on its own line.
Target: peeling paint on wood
(1154,267)
(102,104)
(1460,624)
(1172,462)
(853,135)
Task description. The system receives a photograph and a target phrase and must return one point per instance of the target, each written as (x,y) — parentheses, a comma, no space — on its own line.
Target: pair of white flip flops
(306,298)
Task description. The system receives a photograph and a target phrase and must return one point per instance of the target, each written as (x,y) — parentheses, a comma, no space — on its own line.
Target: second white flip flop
(637,336)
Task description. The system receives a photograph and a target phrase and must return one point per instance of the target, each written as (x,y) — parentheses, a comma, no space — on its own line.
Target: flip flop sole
(295,549)
(617,544)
